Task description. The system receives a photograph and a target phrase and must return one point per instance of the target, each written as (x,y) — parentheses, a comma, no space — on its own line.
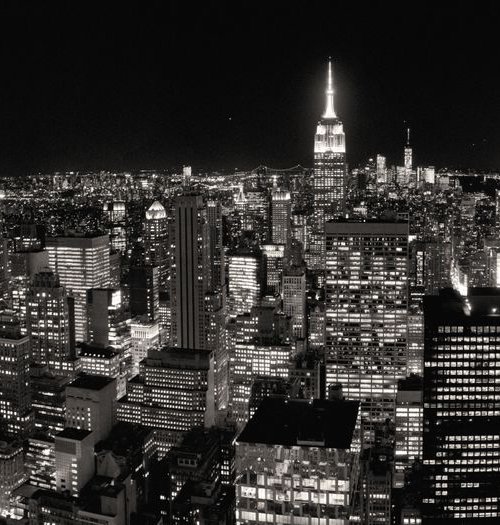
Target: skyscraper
(191,272)
(48,321)
(15,397)
(82,262)
(245,281)
(156,242)
(462,407)
(144,291)
(216,248)
(280,216)
(294,299)
(366,312)
(330,168)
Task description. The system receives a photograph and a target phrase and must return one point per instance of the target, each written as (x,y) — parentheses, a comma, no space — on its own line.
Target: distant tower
(330,168)
(280,216)
(408,152)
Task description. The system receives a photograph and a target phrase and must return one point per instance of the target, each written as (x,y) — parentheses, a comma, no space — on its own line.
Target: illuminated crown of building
(156,211)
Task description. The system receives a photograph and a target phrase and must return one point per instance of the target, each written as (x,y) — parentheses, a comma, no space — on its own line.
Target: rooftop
(91,382)
(291,422)
(73,433)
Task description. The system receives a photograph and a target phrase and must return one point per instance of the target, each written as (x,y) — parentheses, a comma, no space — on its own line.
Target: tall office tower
(91,405)
(319,439)
(74,459)
(49,322)
(15,397)
(144,291)
(173,392)
(156,241)
(274,258)
(12,473)
(23,266)
(216,248)
(294,299)
(81,263)
(330,168)
(281,209)
(191,272)
(408,153)
(108,319)
(262,348)
(366,302)
(245,281)
(409,425)
(462,408)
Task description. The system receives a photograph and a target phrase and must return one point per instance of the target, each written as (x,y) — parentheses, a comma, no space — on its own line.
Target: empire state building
(330,169)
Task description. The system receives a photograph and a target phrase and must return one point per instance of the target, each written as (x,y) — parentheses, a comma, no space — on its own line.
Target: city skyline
(128,97)
(196,344)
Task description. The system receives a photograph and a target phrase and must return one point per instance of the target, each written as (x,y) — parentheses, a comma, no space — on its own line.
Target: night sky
(215,84)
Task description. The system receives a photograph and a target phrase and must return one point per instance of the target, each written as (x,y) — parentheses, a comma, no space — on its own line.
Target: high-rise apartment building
(366,301)
(82,262)
(461,439)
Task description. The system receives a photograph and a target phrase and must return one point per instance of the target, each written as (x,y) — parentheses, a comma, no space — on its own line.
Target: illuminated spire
(329,111)
(408,136)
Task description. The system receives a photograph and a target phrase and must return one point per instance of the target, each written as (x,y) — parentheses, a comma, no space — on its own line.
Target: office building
(294,461)
(461,407)
(366,302)
(294,299)
(330,173)
(74,458)
(281,209)
(191,272)
(143,284)
(156,241)
(15,396)
(50,322)
(409,425)
(173,392)
(82,262)
(245,281)
(91,405)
